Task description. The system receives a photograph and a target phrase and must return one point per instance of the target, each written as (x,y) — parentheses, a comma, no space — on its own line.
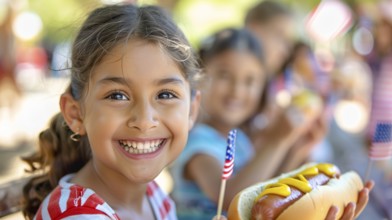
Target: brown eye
(166,95)
(117,96)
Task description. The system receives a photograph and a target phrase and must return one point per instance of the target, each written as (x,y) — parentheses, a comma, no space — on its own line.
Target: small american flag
(382,142)
(229,159)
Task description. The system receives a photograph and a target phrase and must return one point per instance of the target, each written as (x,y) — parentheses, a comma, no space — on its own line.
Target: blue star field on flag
(382,141)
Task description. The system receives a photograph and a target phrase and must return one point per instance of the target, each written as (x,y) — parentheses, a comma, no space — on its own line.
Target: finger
(369,184)
(332,212)
(221,218)
(348,213)
(363,198)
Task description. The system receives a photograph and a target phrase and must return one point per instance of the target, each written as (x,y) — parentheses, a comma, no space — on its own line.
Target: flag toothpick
(227,168)
(381,148)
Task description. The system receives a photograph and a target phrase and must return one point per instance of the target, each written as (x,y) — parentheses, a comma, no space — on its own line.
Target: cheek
(254,95)
(177,118)
(99,118)
(178,124)
(214,91)
(219,88)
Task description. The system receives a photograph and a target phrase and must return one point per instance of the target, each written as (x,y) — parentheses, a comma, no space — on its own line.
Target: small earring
(75,136)
(64,125)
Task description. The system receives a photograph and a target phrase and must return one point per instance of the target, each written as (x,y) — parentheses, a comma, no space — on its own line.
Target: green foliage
(61,18)
(200,18)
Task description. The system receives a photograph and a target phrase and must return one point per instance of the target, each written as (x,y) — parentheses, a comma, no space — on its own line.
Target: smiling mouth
(137,147)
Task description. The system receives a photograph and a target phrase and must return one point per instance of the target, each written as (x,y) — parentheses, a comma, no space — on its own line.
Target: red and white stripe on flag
(382,141)
(381,152)
(228,169)
(229,158)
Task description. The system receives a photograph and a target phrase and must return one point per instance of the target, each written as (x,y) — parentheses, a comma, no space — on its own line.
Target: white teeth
(140,147)
(148,145)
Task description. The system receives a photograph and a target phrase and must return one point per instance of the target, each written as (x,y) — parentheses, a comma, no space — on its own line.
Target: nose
(236,88)
(143,117)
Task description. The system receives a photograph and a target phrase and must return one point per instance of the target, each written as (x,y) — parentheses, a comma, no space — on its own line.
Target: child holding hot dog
(236,78)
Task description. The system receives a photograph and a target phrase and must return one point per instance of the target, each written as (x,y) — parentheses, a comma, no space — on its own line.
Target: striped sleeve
(72,202)
(161,203)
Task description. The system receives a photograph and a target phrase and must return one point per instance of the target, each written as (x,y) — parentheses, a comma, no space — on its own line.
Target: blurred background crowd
(340,51)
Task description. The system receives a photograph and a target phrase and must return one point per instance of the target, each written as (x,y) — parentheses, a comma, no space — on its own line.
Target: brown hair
(104,28)
(266,11)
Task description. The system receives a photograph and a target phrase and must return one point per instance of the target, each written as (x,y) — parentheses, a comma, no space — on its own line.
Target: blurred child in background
(272,23)
(291,69)
(235,83)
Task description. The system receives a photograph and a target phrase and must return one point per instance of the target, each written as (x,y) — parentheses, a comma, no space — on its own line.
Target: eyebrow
(123,81)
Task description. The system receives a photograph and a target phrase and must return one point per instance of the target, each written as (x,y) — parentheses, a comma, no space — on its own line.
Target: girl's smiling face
(136,111)
(234,91)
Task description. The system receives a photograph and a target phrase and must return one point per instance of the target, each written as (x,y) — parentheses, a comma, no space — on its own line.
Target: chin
(143,175)
(234,121)
(143,179)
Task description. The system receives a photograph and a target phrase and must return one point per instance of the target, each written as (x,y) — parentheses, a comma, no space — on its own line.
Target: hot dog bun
(307,102)
(305,106)
(311,206)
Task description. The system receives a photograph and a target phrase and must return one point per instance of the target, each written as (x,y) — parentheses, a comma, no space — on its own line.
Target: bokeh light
(27,25)
(363,41)
(330,19)
(351,116)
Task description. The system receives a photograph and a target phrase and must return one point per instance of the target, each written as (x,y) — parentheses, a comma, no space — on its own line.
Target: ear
(70,108)
(194,111)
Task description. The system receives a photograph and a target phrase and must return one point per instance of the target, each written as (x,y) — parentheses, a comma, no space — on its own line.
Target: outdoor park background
(42,31)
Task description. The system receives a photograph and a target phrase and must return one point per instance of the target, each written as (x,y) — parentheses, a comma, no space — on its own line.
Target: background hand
(221,218)
(353,210)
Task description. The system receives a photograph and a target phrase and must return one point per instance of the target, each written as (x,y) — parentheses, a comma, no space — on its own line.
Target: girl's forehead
(238,59)
(137,58)
(237,55)
(134,47)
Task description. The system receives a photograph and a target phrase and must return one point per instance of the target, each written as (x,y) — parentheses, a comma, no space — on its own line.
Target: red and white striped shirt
(72,201)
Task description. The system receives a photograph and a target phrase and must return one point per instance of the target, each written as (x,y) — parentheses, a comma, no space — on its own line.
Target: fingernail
(335,210)
(366,191)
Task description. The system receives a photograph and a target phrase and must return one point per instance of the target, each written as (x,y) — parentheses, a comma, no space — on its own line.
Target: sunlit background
(44,29)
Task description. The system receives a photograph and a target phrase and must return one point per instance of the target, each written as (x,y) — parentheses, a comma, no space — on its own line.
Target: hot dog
(305,106)
(305,193)
(307,101)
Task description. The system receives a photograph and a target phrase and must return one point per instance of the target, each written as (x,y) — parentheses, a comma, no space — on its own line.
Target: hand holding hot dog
(309,191)
(352,211)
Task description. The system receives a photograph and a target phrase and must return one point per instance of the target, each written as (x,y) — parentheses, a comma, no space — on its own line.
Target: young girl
(233,61)
(125,117)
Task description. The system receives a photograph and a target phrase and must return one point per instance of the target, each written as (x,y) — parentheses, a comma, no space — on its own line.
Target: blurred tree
(200,18)
(197,18)
(61,18)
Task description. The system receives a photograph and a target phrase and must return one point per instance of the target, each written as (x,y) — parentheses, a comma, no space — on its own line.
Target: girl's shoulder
(71,200)
(205,133)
